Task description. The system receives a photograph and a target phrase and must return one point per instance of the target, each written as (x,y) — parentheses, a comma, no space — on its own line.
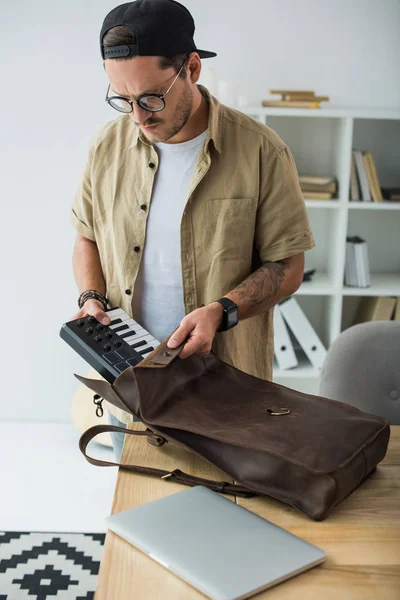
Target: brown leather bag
(307,451)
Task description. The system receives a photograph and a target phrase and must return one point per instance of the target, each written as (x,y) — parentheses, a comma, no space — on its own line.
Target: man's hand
(94,308)
(198,328)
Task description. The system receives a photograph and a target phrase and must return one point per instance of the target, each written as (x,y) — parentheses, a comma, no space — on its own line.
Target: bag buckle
(171,474)
(277,412)
(155,441)
(220,487)
(98,400)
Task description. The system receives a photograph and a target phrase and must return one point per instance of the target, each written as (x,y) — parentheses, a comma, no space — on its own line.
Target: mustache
(148,123)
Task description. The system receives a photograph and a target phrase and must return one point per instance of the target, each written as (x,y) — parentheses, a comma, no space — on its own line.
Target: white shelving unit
(321,141)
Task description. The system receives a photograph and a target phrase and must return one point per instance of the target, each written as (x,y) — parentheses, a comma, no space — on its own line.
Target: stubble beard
(180,118)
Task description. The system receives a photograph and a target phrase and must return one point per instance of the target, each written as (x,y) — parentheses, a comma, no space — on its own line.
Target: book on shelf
(296,93)
(356,270)
(372,177)
(292,103)
(375,308)
(317,180)
(304,96)
(364,181)
(318,195)
(354,182)
(362,176)
(391,193)
(296,99)
(396,315)
(377,192)
(318,187)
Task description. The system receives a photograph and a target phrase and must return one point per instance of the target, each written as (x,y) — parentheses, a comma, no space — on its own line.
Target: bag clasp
(278,412)
(98,401)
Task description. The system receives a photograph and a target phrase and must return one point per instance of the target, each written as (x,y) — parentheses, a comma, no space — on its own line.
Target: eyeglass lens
(150,103)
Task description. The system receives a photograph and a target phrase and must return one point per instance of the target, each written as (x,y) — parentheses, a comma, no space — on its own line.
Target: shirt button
(143,206)
(128,292)
(137,248)
(151,165)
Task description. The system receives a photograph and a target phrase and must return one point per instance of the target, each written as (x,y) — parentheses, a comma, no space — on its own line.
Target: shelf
(382,284)
(355,204)
(356,113)
(304,371)
(321,142)
(321,285)
(322,203)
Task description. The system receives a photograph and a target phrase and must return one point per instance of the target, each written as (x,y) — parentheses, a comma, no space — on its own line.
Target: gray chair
(362,368)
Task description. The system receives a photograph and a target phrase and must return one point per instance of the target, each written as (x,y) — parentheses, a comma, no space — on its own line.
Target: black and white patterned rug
(41,566)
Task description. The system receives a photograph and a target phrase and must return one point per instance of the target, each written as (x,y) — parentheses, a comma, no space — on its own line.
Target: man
(189,214)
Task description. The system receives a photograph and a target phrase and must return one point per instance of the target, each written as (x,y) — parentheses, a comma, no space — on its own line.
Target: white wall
(50,57)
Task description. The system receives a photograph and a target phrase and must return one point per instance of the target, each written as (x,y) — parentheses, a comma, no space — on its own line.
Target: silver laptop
(218,547)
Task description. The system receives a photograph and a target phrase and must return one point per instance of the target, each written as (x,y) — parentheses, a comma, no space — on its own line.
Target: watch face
(232,318)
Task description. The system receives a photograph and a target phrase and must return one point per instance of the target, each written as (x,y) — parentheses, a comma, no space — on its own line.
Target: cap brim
(205,54)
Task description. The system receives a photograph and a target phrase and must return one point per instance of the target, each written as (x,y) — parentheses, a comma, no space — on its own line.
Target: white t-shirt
(158,295)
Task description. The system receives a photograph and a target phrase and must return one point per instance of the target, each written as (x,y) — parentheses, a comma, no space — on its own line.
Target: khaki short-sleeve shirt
(244,206)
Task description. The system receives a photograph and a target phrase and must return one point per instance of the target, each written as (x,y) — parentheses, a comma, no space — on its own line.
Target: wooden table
(361,537)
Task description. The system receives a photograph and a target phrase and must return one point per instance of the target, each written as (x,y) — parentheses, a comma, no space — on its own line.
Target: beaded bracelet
(86,297)
(93,295)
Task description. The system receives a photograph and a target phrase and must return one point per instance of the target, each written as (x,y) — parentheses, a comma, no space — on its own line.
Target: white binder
(349,273)
(366,264)
(283,347)
(304,332)
(360,251)
(359,259)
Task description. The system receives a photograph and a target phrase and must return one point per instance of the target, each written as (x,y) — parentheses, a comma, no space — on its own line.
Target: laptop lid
(218,547)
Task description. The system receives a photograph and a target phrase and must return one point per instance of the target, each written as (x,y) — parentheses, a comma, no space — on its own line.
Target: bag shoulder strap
(177,475)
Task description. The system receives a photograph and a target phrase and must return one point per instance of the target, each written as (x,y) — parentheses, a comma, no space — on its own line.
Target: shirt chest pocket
(229,225)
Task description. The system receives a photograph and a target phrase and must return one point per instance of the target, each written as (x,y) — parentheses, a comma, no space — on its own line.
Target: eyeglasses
(149,102)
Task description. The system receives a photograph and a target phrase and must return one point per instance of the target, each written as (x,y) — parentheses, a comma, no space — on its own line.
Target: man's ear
(194,67)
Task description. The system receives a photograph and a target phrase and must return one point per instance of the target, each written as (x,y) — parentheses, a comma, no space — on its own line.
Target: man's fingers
(93,311)
(195,345)
(188,349)
(105,319)
(179,335)
(195,332)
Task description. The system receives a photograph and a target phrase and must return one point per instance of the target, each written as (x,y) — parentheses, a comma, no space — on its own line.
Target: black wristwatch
(230,316)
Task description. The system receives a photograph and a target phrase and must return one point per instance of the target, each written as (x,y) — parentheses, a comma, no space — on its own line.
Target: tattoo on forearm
(263,285)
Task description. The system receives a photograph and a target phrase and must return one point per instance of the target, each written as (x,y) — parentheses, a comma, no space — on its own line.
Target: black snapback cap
(161,28)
